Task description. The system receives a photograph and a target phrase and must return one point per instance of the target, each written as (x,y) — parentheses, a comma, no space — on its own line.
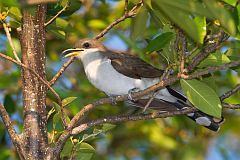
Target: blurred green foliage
(153,29)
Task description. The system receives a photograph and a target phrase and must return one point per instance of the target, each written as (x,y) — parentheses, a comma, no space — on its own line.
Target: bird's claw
(130,92)
(113,100)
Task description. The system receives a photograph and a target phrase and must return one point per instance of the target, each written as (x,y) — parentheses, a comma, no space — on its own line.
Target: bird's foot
(113,100)
(130,92)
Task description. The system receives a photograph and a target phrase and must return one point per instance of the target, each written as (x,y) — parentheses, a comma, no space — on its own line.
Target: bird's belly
(104,77)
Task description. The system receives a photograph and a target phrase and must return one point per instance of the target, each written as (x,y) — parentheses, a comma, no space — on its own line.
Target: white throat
(89,56)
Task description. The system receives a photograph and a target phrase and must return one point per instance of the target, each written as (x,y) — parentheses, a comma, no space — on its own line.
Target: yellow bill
(72,52)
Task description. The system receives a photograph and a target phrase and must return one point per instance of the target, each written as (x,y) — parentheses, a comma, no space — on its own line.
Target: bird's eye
(86,45)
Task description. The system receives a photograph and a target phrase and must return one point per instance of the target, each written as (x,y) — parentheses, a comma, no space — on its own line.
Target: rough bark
(32,38)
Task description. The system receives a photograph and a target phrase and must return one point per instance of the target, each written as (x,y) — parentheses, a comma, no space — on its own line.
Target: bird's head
(83,47)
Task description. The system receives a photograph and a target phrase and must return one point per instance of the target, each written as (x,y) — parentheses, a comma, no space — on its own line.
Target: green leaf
(214,59)
(15,13)
(148,3)
(9,104)
(84,151)
(14,24)
(59,33)
(8,81)
(67,149)
(56,119)
(211,82)
(238,18)
(201,27)
(17,46)
(62,23)
(67,119)
(9,3)
(187,6)
(231,2)
(85,147)
(108,126)
(84,156)
(68,100)
(57,107)
(220,13)
(139,24)
(202,97)
(159,42)
(97,24)
(182,19)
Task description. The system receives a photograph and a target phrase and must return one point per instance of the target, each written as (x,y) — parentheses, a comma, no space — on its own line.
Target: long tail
(199,117)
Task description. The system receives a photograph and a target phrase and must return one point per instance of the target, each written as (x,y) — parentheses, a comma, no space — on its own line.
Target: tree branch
(43,81)
(54,17)
(207,50)
(231,106)
(211,70)
(231,92)
(11,131)
(10,42)
(34,72)
(60,72)
(124,118)
(127,14)
(126,6)
(181,53)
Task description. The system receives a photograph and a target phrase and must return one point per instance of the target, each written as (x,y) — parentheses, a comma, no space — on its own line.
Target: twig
(125,118)
(42,80)
(183,53)
(61,70)
(192,51)
(231,106)
(212,69)
(149,101)
(127,14)
(54,17)
(231,92)
(126,6)
(11,131)
(11,42)
(163,77)
(206,51)
(35,73)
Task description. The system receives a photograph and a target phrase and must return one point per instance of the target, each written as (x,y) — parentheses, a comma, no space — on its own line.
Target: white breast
(103,76)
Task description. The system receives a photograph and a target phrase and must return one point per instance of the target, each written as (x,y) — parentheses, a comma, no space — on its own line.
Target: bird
(120,73)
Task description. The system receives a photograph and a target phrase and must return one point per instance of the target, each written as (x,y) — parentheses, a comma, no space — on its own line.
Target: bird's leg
(113,100)
(131,91)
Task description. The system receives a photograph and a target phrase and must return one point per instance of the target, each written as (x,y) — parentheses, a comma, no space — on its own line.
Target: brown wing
(133,66)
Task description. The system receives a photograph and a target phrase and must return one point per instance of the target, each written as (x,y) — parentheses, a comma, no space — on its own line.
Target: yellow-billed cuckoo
(120,73)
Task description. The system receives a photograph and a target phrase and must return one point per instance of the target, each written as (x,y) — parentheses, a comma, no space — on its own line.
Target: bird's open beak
(72,52)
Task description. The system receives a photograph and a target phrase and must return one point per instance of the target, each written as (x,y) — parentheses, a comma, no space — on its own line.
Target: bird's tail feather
(199,117)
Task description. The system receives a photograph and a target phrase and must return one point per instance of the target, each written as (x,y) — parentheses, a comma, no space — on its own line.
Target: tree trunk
(32,38)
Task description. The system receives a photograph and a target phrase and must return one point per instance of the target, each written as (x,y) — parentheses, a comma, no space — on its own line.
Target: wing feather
(133,66)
